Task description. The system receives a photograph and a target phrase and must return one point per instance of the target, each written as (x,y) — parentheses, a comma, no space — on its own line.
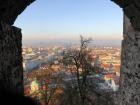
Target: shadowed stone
(10,9)
(131,9)
(11,71)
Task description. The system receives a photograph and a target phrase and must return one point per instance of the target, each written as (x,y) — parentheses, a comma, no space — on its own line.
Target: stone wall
(11,72)
(129,92)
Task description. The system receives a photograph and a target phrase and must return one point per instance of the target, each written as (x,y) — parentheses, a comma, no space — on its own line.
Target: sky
(68,19)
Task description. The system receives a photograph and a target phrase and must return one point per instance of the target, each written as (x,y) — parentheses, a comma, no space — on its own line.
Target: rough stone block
(131,10)
(11,71)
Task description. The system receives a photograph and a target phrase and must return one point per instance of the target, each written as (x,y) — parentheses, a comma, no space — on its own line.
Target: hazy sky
(67,19)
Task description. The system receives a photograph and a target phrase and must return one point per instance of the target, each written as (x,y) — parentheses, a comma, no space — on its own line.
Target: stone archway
(11,74)
(130,59)
(11,71)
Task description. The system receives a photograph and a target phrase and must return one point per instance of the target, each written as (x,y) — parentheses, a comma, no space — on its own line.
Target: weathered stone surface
(10,9)
(129,92)
(11,71)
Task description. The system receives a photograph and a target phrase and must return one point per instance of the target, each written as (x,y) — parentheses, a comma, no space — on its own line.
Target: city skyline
(50,20)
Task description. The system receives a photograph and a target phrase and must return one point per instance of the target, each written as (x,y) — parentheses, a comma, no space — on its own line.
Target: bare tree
(78,62)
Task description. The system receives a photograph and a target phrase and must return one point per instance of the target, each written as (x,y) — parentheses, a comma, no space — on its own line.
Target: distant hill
(100,43)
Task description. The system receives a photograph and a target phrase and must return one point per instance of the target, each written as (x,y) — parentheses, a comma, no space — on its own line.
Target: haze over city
(58,22)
